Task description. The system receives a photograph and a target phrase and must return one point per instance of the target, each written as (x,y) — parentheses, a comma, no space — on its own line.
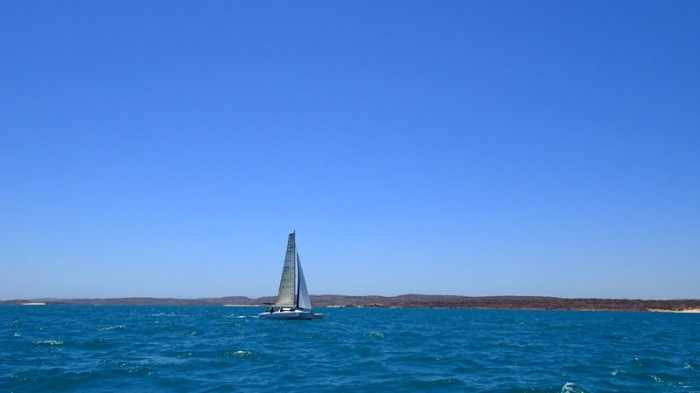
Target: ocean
(228,349)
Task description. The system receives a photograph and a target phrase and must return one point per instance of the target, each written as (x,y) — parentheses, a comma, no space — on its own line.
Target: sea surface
(229,349)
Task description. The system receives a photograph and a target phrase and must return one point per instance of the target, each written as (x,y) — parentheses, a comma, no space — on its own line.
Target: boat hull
(293,314)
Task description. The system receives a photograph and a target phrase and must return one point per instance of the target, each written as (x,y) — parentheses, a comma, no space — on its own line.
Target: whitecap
(237,354)
(16,335)
(240,316)
(569,387)
(48,342)
(117,327)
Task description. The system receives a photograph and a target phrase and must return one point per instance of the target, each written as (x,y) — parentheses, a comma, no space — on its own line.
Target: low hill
(405,301)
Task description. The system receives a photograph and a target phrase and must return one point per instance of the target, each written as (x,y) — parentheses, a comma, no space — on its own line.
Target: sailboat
(293,300)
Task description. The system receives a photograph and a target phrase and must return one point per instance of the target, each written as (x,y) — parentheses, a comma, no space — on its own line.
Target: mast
(296,263)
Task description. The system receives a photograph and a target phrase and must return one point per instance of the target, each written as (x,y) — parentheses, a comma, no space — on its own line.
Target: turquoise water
(228,349)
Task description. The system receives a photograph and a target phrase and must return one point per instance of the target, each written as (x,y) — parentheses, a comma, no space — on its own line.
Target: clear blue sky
(167,148)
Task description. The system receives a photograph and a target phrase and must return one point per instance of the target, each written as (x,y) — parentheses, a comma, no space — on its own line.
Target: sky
(167,148)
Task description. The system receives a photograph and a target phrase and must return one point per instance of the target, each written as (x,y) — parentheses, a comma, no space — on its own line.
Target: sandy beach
(684,311)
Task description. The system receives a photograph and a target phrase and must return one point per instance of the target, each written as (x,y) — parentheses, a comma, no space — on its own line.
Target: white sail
(303,300)
(285,296)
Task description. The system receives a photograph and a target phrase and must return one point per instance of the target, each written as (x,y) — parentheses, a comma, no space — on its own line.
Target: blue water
(225,349)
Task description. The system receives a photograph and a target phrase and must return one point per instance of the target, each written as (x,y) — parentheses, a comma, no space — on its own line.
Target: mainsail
(285,296)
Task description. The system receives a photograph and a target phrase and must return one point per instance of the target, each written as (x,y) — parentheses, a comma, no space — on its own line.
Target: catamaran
(292,298)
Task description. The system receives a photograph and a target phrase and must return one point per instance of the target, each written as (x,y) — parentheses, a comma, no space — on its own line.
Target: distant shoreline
(679,311)
(404,301)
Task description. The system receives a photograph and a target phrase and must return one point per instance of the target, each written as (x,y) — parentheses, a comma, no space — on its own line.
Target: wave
(48,342)
(117,327)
